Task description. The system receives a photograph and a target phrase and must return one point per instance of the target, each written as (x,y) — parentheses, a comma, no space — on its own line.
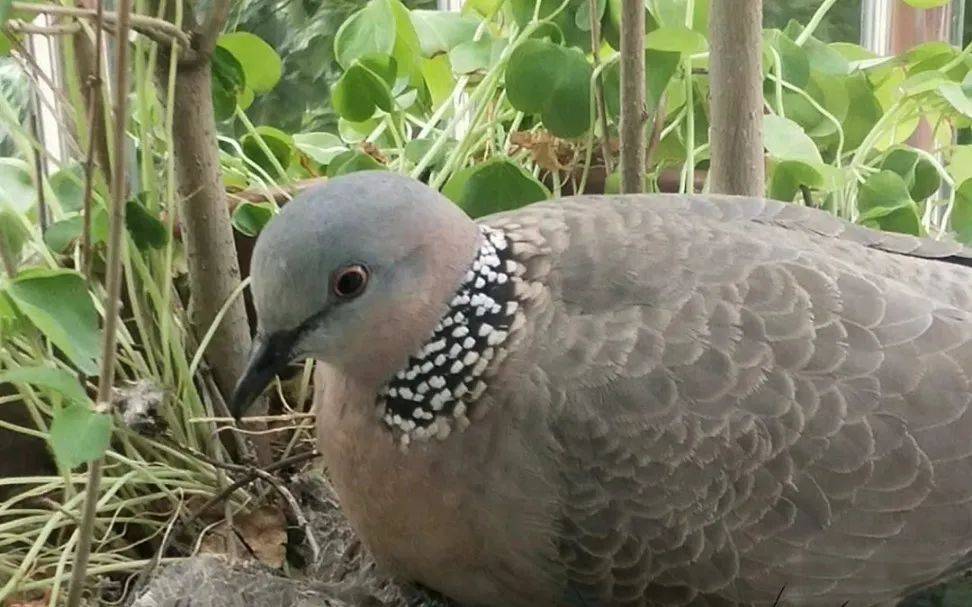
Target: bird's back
(745,397)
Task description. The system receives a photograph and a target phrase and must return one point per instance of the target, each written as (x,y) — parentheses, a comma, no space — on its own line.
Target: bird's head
(355,272)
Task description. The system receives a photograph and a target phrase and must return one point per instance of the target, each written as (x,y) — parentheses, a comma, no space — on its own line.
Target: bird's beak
(268,356)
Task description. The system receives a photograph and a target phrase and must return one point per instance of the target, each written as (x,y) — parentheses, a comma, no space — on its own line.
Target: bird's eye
(350,281)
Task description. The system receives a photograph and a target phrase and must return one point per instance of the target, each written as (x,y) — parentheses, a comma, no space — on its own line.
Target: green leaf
(250,217)
(48,378)
(660,68)
(494,186)
(885,203)
(472,56)
(5,10)
(146,230)
(261,64)
(919,174)
(361,90)
(407,50)
(961,217)
(57,302)
(68,187)
(369,31)
(904,220)
(281,146)
(960,165)
(441,31)
(353,161)
(786,140)
(437,73)
(863,113)
(79,435)
(229,82)
(789,175)
(956,96)
(61,234)
(13,234)
(675,40)
(583,16)
(17,191)
(320,147)
(544,78)
(416,149)
(794,59)
(924,4)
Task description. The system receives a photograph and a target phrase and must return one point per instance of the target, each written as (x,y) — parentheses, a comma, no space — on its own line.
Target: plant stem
(634,114)
(113,288)
(815,22)
(736,76)
(599,87)
(95,132)
(261,143)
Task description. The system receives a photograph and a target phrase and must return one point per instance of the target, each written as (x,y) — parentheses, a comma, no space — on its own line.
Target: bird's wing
(749,399)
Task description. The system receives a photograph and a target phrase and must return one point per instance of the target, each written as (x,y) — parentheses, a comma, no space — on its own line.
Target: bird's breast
(439,512)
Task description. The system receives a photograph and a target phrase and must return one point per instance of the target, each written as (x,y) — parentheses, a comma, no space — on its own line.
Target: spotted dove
(628,400)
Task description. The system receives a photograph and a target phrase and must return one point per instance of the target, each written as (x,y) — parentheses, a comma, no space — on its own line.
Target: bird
(628,400)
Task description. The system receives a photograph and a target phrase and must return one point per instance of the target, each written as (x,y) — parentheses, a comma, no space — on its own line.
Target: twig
(298,513)
(261,418)
(254,473)
(20,27)
(113,288)
(599,87)
(39,166)
(159,30)
(94,133)
(250,476)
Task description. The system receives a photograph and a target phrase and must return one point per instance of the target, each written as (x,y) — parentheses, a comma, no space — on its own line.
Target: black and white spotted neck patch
(432,392)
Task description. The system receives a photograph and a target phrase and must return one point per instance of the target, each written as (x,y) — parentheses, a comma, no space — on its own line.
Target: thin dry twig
(599,87)
(113,288)
(94,132)
(159,30)
(17,26)
(250,475)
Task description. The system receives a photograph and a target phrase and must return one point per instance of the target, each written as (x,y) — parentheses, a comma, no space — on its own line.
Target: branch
(251,474)
(19,27)
(633,109)
(736,77)
(113,288)
(213,26)
(159,30)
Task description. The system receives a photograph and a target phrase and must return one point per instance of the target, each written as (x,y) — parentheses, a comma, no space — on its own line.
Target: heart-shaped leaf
(251,217)
(675,40)
(320,147)
(554,81)
(281,145)
(786,140)
(496,185)
(229,82)
(364,88)
(49,378)
(17,191)
(147,230)
(261,64)
(78,435)
(57,302)
(369,31)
